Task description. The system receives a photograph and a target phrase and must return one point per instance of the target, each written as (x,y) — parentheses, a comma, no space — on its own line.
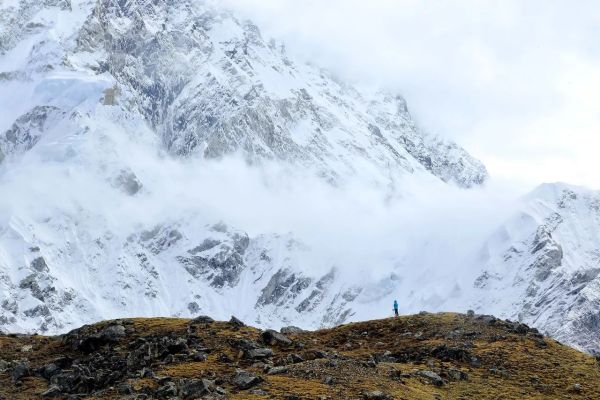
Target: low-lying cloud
(514,82)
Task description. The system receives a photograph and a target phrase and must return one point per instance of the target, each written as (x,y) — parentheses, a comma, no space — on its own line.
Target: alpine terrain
(133,135)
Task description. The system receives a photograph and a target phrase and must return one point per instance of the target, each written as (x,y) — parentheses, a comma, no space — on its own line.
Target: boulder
(194,388)
(85,341)
(288,330)
(457,375)
(376,395)
(244,380)
(278,370)
(272,338)
(113,333)
(294,359)
(203,319)
(386,357)
(236,323)
(49,370)
(259,354)
(167,391)
(19,372)
(432,377)
(176,346)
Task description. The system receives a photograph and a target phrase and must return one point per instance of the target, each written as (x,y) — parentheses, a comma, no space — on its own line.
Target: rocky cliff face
(543,265)
(209,84)
(104,81)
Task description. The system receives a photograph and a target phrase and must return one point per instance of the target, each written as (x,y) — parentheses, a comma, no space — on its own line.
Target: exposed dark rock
(52,392)
(457,375)
(193,388)
(432,377)
(294,358)
(167,391)
(203,319)
(84,340)
(244,380)
(20,371)
(278,370)
(386,357)
(288,330)
(128,182)
(273,338)
(236,322)
(450,353)
(48,371)
(259,354)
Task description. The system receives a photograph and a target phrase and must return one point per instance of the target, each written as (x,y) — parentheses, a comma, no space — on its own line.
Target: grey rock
(376,395)
(244,380)
(52,392)
(259,354)
(278,370)
(49,370)
(236,322)
(20,371)
(39,264)
(193,388)
(128,182)
(27,130)
(258,392)
(113,332)
(288,330)
(576,388)
(273,338)
(203,319)
(167,391)
(432,377)
(5,365)
(294,358)
(458,375)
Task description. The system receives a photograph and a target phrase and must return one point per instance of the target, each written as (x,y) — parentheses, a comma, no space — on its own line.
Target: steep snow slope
(543,265)
(209,84)
(99,220)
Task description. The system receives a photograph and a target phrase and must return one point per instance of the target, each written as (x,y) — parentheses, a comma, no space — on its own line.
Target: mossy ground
(509,365)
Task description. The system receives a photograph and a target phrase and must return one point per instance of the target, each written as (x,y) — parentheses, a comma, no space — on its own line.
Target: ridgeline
(425,356)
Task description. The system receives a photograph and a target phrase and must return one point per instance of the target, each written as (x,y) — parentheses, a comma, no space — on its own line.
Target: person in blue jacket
(396,307)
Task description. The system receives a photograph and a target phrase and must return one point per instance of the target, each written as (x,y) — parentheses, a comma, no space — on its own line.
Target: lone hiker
(396,307)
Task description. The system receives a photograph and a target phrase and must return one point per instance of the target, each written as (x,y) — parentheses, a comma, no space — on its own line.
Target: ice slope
(111,206)
(542,267)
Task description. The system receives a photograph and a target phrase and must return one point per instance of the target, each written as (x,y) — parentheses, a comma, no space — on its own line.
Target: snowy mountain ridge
(158,158)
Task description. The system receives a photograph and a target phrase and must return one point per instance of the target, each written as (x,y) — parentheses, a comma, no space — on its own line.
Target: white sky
(515,82)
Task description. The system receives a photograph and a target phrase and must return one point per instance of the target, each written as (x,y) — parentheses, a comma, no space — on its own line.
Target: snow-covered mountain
(543,266)
(134,136)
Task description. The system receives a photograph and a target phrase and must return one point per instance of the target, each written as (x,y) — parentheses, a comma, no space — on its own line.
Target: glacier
(163,158)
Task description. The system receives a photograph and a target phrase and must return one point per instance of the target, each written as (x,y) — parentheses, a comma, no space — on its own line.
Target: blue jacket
(395,305)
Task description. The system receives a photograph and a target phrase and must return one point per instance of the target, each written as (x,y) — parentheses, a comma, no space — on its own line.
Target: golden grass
(527,371)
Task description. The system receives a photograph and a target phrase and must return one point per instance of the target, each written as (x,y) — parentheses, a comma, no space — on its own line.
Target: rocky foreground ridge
(425,356)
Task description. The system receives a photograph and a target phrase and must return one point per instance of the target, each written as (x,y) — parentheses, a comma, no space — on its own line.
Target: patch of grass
(510,366)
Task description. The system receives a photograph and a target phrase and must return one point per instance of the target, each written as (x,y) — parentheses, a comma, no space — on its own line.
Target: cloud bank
(516,83)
